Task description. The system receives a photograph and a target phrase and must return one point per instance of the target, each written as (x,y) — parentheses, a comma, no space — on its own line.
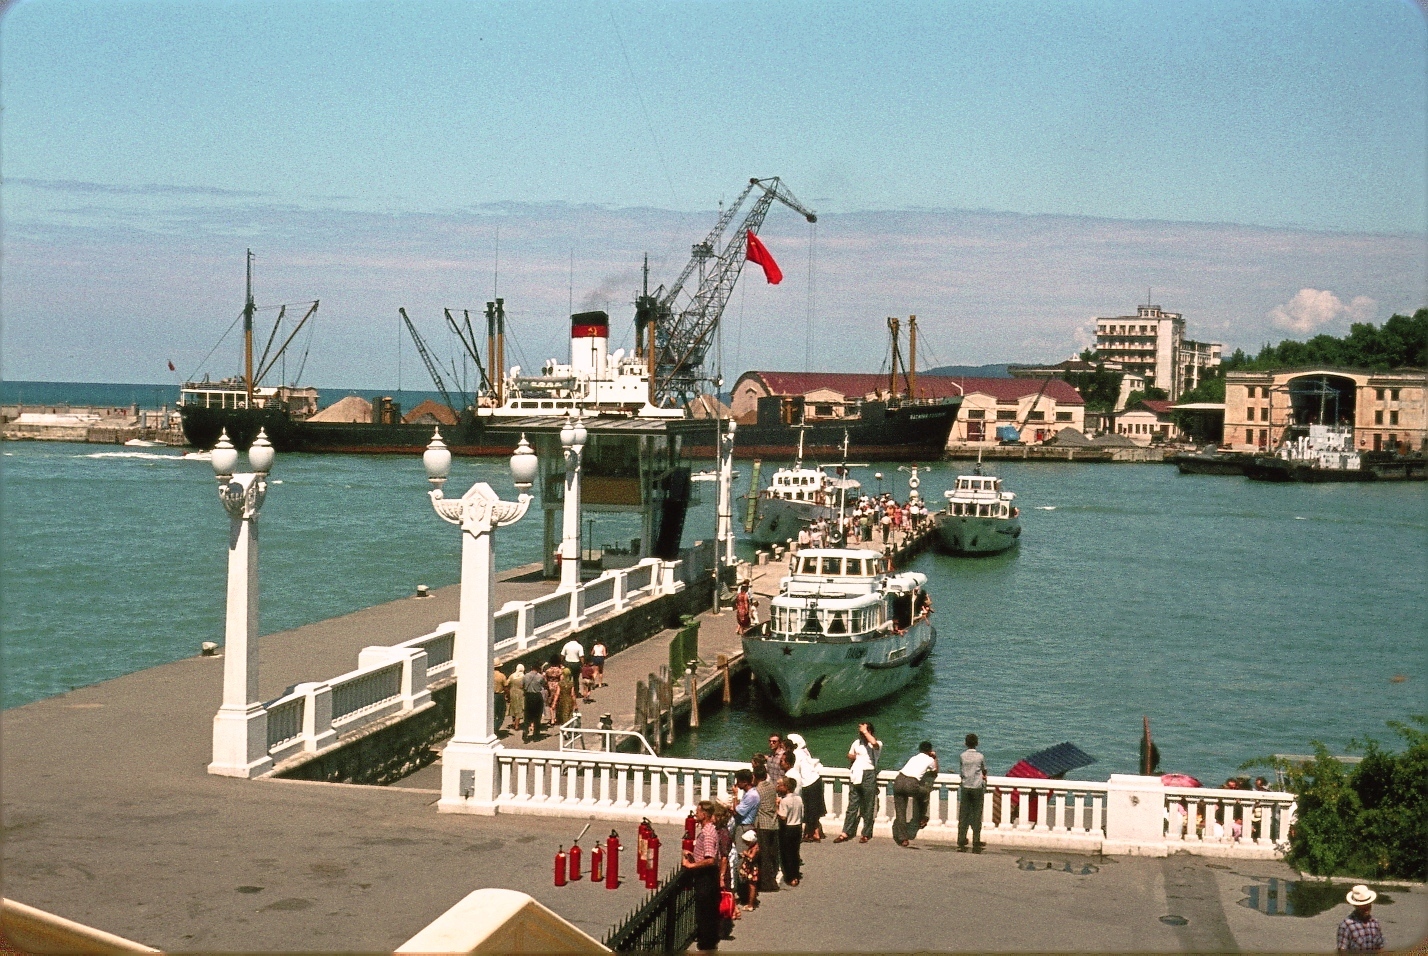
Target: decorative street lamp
(572,439)
(724,520)
(240,728)
(469,775)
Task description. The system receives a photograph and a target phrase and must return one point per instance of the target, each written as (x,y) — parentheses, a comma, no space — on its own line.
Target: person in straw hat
(1360,932)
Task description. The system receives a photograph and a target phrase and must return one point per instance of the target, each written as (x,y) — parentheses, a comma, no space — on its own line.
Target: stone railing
(309,717)
(1127,815)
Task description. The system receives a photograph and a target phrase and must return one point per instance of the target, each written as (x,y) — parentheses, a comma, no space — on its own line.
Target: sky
(1005,171)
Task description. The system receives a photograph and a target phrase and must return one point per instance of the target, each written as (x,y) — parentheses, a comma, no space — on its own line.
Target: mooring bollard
(691,686)
(724,669)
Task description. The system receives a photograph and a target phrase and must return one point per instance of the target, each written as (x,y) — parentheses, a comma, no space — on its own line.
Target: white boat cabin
(842,593)
(980,496)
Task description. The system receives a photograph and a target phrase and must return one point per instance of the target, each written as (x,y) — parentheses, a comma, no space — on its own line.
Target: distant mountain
(971,371)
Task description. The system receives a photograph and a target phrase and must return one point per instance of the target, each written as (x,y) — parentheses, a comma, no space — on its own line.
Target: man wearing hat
(1360,932)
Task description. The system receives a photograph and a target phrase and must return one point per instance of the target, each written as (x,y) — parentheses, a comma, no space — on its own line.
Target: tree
(1401,342)
(1371,821)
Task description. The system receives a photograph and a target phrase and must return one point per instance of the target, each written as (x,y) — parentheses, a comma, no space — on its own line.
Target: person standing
(1360,932)
(516,697)
(766,826)
(703,864)
(573,653)
(808,771)
(775,761)
(864,754)
(790,830)
(971,795)
(742,609)
(533,683)
(499,683)
(910,791)
(597,657)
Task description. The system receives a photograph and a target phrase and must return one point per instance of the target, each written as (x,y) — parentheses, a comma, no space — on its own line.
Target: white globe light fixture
(523,465)
(437,460)
(261,454)
(225,457)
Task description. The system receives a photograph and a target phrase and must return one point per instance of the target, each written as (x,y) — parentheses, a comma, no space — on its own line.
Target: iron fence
(663,923)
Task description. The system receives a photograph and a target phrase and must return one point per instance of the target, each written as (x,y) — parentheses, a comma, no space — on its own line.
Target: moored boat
(980,517)
(1211,462)
(842,631)
(1322,453)
(797,497)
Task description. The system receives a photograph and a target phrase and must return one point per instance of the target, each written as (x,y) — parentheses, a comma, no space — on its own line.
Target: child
(790,830)
(749,871)
(587,682)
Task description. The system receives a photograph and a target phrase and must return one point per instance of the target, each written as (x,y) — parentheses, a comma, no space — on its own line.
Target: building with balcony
(1152,344)
(1039,412)
(1387,410)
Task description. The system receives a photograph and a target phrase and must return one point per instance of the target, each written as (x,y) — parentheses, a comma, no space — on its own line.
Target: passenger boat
(842,631)
(797,497)
(980,517)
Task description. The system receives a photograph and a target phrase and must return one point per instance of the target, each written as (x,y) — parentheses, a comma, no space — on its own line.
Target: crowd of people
(547,696)
(872,519)
(751,843)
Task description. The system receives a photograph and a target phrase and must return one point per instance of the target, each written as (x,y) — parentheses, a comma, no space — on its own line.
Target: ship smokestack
(589,334)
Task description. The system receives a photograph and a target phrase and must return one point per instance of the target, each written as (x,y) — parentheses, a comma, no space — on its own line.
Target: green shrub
(1371,821)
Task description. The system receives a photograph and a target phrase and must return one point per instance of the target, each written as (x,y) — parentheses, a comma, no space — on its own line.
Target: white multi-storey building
(1152,345)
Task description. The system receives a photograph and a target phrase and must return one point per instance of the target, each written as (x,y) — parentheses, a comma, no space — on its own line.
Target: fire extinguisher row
(604,862)
(647,844)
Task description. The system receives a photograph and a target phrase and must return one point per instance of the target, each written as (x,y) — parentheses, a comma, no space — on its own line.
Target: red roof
(855,384)
(1157,406)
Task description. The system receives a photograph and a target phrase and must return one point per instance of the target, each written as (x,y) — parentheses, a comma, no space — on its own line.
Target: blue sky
(1005,171)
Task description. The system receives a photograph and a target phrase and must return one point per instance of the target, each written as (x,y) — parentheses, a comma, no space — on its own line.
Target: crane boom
(430,363)
(681,338)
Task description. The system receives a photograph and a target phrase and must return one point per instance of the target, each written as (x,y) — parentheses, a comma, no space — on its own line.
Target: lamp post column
(724,533)
(469,775)
(572,439)
(240,728)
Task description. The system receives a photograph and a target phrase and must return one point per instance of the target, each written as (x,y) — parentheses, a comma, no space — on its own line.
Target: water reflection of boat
(842,631)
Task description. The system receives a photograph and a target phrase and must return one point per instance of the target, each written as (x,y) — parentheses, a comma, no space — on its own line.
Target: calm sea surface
(1244,619)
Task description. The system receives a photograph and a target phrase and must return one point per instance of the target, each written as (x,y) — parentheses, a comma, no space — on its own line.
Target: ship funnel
(589,335)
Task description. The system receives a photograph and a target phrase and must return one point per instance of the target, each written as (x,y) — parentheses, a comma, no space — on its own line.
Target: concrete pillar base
(240,742)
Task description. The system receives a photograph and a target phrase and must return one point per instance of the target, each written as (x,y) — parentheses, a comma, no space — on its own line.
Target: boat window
(832,566)
(810,565)
(838,625)
(811,625)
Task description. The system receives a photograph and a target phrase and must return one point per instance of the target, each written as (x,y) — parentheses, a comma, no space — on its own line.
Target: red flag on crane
(756,252)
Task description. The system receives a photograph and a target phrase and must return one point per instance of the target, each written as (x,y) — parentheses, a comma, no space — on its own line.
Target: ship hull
(1265,468)
(901,433)
(202,426)
(1211,464)
(812,678)
(962,535)
(779,521)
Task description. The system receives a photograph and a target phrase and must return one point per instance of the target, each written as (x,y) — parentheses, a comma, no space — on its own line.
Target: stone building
(1147,421)
(1388,410)
(990,402)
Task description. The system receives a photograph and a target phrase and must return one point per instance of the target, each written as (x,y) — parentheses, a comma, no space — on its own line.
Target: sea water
(1243,619)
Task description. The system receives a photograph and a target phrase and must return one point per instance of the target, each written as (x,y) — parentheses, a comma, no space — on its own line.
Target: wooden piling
(723,663)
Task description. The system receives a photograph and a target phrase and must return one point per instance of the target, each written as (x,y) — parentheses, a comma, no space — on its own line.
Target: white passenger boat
(797,497)
(980,517)
(842,631)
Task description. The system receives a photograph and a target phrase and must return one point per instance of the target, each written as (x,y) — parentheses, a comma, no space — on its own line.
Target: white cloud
(1312,309)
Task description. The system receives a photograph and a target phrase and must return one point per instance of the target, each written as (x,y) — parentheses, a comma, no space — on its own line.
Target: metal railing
(663,923)
(573,737)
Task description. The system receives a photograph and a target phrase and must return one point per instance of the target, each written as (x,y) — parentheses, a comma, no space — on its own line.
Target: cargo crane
(430,363)
(676,341)
(1011,434)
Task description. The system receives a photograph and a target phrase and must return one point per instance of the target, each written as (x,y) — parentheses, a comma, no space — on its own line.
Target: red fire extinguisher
(687,844)
(560,867)
(574,862)
(596,855)
(612,861)
(642,850)
(652,868)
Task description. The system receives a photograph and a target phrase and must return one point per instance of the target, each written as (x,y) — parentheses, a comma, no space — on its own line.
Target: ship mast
(248,334)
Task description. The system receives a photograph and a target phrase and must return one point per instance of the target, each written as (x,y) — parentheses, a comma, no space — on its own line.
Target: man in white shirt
(574,655)
(863,789)
(910,791)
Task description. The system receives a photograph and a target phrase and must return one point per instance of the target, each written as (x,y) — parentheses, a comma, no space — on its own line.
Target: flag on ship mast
(758,253)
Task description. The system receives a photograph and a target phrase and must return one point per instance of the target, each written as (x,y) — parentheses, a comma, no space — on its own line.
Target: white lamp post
(572,439)
(469,774)
(724,533)
(240,728)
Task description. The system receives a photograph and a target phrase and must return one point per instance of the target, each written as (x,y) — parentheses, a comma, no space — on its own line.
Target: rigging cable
(649,127)
(808,326)
(203,361)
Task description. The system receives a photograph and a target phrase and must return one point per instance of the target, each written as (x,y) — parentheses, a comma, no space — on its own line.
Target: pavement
(110,819)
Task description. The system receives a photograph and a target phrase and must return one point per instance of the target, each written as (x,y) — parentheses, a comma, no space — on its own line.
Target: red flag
(171,366)
(757,253)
